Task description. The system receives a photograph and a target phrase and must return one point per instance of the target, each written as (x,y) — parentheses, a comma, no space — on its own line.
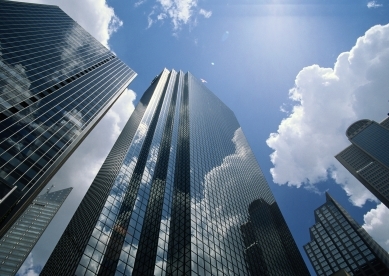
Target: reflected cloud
(224,180)
(29,268)
(15,84)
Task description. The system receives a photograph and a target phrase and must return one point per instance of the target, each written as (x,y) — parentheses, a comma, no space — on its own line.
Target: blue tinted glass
(55,81)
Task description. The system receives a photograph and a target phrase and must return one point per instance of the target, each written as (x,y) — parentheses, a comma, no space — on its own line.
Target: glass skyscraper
(179,194)
(368,156)
(339,242)
(17,243)
(56,82)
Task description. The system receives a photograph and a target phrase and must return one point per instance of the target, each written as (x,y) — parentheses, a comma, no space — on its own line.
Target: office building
(17,243)
(264,231)
(368,156)
(339,242)
(179,194)
(56,83)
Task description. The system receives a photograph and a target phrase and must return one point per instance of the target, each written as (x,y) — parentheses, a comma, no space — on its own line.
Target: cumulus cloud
(210,212)
(179,12)
(95,16)
(373,4)
(377,225)
(326,102)
(229,172)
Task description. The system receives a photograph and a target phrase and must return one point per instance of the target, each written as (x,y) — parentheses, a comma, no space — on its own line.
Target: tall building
(179,194)
(17,243)
(264,231)
(368,156)
(339,242)
(56,83)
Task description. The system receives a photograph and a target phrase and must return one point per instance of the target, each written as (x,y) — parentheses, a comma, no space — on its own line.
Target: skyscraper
(179,194)
(265,231)
(56,83)
(17,243)
(368,156)
(339,242)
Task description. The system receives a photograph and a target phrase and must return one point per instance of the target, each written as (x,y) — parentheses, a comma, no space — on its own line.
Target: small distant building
(17,243)
(339,242)
(368,156)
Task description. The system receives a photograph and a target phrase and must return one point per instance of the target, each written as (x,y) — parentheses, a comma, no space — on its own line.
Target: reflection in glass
(338,242)
(181,177)
(56,81)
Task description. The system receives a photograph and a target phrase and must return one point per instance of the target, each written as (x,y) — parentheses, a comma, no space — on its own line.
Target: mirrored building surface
(339,242)
(17,243)
(179,194)
(264,232)
(367,158)
(56,82)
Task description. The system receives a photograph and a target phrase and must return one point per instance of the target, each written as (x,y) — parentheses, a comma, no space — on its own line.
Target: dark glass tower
(18,242)
(56,82)
(368,156)
(179,194)
(263,233)
(339,242)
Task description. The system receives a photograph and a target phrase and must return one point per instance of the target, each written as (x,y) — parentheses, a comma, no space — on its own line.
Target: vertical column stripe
(148,245)
(179,253)
(112,253)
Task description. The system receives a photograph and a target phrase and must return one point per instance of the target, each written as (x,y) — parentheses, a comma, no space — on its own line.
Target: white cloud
(161,16)
(95,16)
(28,268)
(327,101)
(206,14)
(213,212)
(373,4)
(81,168)
(377,225)
(179,12)
(232,170)
(86,161)
(137,4)
(282,109)
(150,20)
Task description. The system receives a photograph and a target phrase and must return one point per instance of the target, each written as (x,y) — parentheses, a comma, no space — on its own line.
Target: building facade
(56,82)
(339,242)
(264,231)
(179,194)
(368,156)
(17,243)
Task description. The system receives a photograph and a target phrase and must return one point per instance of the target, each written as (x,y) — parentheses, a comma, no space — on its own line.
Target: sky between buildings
(296,74)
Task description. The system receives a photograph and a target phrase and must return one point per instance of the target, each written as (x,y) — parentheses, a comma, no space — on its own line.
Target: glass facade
(367,158)
(56,82)
(179,194)
(17,243)
(338,242)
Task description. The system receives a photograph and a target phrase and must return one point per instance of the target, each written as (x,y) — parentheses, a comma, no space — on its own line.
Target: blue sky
(296,74)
